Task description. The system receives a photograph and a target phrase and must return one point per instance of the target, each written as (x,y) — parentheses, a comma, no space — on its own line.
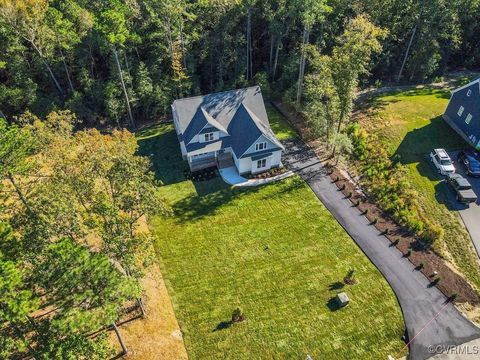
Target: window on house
(460,111)
(469,92)
(209,137)
(260,146)
(261,163)
(468,118)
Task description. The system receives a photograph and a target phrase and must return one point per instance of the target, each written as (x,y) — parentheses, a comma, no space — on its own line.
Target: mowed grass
(275,252)
(409,124)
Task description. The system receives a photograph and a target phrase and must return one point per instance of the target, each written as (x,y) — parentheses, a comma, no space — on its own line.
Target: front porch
(214,159)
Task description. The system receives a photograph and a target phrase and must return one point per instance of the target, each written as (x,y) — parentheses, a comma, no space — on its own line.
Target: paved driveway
(469,214)
(420,303)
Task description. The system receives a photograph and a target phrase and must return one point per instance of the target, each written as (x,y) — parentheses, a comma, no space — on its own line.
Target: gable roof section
(470,131)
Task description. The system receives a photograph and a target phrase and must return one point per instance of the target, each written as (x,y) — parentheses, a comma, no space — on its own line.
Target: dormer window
(209,137)
(460,111)
(260,146)
(469,92)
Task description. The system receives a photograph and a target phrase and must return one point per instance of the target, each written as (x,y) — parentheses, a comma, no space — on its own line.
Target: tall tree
(310,13)
(27,19)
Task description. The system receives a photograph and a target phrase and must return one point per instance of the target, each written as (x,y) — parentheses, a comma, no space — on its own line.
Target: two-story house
(228,128)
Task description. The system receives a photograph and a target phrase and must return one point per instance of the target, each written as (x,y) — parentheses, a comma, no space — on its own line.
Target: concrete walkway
(230,176)
(429,319)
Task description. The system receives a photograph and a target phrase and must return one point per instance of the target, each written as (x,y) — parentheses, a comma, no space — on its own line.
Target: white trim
(468,118)
(467,85)
(460,110)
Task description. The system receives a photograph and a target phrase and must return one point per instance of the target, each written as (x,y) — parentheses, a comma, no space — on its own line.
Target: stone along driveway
(420,303)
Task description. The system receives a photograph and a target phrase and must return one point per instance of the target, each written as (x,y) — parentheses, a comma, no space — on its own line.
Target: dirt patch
(158,335)
(424,259)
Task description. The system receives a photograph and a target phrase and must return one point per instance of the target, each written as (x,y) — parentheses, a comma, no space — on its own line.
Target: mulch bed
(450,283)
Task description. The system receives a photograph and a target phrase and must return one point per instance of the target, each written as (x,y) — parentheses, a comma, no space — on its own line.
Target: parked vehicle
(462,188)
(442,161)
(469,160)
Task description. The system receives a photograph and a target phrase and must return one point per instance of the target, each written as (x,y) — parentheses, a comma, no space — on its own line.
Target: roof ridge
(216,93)
(212,121)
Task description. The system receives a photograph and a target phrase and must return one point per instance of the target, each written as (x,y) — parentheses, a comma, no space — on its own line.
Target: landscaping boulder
(342,299)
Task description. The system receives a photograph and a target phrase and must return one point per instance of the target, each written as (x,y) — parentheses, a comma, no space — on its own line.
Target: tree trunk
(66,70)
(301,70)
(49,69)
(272,38)
(406,53)
(275,61)
(184,57)
(130,116)
(19,192)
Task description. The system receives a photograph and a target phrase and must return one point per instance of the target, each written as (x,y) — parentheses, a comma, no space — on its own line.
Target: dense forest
(73,197)
(122,62)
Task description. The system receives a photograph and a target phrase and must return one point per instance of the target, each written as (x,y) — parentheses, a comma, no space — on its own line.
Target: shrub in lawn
(350,279)
(432,232)
(237,316)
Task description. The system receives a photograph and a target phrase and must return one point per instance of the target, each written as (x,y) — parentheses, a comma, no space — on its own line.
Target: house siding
(247,165)
(467,121)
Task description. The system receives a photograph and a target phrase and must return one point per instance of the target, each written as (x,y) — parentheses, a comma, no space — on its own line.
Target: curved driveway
(419,302)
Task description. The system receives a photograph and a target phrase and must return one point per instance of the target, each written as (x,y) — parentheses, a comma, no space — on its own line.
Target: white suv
(442,161)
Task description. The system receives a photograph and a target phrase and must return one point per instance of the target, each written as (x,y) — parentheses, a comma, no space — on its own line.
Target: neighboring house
(226,129)
(463,112)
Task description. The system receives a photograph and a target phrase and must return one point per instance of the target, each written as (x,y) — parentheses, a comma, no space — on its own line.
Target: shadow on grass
(333,305)
(336,286)
(223,325)
(421,141)
(160,144)
(211,196)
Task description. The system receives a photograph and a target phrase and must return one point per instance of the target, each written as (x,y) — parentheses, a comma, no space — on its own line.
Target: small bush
(386,231)
(357,203)
(349,195)
(365,212)
(374,221)
(420,266)
(237,315)
(436,280)
(396,242)
(453,297)
(408,253)
(342,187)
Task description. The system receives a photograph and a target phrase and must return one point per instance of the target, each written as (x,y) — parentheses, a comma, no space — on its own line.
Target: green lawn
(409,124)
(276,252)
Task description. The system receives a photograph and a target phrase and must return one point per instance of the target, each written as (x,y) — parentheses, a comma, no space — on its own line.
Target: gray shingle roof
(240,113)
